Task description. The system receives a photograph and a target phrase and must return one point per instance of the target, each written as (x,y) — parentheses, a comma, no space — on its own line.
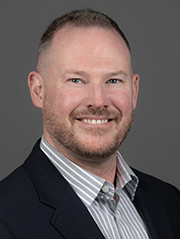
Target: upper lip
(94,117)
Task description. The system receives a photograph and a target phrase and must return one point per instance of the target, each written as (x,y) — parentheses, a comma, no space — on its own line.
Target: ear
(36,87)
(135,82)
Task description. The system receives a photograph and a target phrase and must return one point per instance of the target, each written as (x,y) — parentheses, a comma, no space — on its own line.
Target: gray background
(153,29)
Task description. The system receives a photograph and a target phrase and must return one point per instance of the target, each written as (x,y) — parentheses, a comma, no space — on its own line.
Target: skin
(86,77)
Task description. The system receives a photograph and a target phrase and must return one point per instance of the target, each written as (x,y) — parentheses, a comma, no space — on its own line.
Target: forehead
(94,34)
(90,45)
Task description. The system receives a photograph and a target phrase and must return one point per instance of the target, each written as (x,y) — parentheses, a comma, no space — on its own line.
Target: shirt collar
(126,178)
(87,185)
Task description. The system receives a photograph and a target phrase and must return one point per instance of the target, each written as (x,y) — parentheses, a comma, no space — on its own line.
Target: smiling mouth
(95,121)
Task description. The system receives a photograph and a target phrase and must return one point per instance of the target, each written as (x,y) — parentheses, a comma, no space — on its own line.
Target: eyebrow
(117,73)
(74,72)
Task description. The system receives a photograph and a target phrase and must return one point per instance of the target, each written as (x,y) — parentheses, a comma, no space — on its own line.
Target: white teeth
(93,121)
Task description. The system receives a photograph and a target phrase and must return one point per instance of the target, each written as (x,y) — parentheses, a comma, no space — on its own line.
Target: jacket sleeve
(5,232)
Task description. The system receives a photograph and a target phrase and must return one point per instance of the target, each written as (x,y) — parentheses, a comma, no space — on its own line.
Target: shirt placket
(108,202)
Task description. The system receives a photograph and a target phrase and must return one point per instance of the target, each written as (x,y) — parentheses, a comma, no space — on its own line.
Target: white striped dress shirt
(111,208)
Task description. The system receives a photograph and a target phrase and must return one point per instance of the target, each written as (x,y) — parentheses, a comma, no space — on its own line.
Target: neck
(105,169)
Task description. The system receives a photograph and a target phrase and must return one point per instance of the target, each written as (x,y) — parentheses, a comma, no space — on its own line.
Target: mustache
(97,112)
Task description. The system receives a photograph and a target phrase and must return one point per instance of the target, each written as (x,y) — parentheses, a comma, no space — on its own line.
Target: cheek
(67,101)
(123,102)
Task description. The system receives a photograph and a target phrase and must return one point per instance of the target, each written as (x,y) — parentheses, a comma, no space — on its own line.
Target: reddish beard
(66,137)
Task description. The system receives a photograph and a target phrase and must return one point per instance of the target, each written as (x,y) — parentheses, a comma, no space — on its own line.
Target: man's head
(85,85)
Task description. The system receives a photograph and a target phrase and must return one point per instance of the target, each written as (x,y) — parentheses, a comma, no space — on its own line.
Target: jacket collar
(55,192)
(152,210)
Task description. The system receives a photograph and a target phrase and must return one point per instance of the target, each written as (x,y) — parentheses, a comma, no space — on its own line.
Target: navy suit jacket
(37,202)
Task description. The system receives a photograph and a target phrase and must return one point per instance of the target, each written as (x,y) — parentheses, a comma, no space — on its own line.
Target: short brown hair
(78,18)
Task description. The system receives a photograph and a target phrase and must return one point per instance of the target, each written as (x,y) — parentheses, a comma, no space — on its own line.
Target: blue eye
(113,81)
(75,80)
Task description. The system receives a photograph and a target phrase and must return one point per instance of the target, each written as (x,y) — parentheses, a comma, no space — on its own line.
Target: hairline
(47,45)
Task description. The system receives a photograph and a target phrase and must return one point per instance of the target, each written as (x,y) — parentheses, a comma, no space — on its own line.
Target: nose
(97,96)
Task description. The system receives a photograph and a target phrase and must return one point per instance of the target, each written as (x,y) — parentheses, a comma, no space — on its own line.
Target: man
(75,184)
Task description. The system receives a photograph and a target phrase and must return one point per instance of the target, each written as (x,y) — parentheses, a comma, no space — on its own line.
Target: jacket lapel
(71,218)
(153,212)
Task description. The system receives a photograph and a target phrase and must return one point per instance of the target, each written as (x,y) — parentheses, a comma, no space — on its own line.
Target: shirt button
(105,189)
(117,217)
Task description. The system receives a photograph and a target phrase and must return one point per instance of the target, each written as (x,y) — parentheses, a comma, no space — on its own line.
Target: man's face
(89,93)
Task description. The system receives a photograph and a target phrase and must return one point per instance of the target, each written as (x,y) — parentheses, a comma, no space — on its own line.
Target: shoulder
(15,190)
(157,186)
(14,187)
